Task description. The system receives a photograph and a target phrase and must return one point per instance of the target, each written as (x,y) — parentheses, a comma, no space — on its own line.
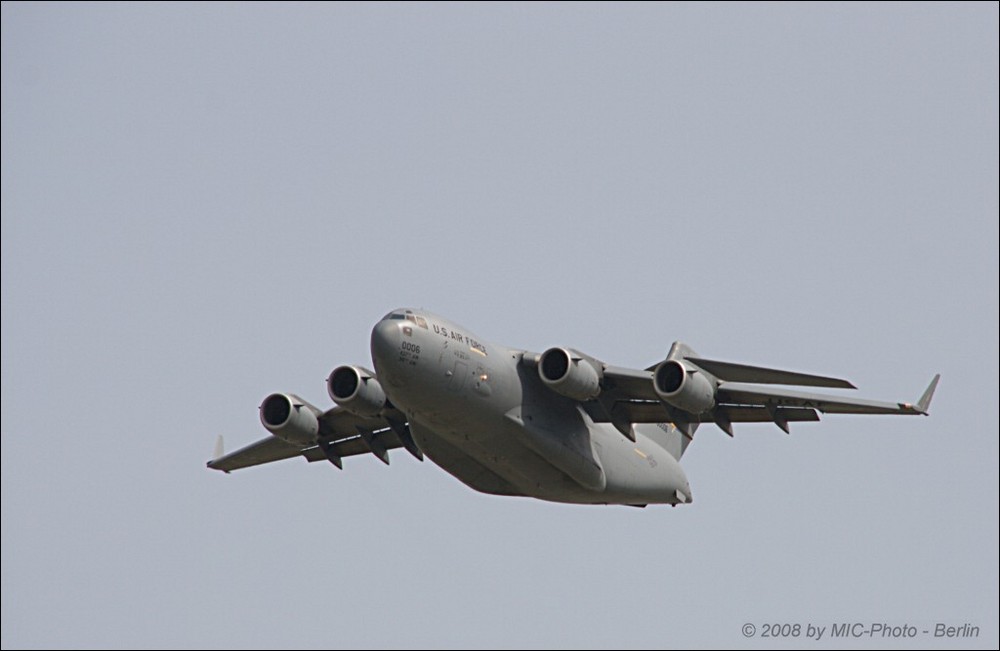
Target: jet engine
(356,390)
(683,387)
(290,418)
(570,373)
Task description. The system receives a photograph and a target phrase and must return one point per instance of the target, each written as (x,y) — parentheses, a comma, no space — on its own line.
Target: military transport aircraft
(559,426)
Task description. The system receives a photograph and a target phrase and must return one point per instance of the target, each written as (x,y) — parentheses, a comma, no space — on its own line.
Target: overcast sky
(203,204)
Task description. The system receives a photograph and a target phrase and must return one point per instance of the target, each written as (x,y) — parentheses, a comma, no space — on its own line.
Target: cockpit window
(408,315)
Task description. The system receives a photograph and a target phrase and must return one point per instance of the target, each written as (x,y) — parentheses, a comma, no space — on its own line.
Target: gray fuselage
(487,418)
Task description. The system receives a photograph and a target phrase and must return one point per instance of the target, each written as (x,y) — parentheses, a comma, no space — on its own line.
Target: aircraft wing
(745,394)
(342,434)
(628,397)
(263,451)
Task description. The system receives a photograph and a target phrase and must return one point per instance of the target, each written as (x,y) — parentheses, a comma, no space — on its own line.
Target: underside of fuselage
(523,472)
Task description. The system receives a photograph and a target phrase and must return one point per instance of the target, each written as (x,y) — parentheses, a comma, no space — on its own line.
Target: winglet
(219,452)
(925,400)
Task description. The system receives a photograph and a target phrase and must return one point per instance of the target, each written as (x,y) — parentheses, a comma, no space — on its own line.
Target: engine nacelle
(570,374)
(290,418)
(356,390)
(683,387)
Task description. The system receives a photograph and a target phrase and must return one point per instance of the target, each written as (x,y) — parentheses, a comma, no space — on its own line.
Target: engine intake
(356,390)
(684,388)
(290,418)
(570,374)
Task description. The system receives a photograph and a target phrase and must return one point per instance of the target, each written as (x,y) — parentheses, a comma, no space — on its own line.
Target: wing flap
(657,412)
(740,394)
(745,414)
(354,446)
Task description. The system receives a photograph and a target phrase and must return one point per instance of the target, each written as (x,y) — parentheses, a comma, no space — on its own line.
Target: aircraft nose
(386,339)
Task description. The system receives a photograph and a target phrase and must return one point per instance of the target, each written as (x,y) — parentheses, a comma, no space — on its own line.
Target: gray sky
(204,203)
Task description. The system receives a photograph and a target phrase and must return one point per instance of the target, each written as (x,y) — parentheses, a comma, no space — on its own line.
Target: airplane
(559,426)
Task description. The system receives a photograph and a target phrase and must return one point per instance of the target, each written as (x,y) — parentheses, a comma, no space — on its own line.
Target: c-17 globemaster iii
(558,426)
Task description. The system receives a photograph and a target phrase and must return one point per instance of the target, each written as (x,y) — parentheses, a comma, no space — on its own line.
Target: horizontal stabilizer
(729,372)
